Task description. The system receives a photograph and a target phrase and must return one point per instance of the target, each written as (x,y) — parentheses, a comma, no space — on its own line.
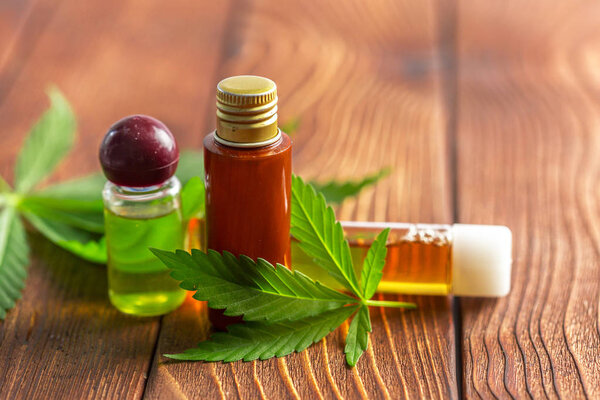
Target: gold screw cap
(247,109)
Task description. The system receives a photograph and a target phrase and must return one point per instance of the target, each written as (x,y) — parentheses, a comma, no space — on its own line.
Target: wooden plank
(12,15)
(64,339)
(363,78)
(528,145)
(21,24)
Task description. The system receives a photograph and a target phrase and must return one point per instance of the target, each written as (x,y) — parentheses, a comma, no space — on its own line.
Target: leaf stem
(385,303)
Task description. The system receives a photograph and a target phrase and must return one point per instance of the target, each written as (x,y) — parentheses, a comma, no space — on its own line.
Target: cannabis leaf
(89,221)
(254,340)
(66,213)
(373,265)
(357,338)
(256,290)
(14,258)
(287,311)
(92,250)
(79,194)
(320,235)
(336,192)
(48,142)
(85,244)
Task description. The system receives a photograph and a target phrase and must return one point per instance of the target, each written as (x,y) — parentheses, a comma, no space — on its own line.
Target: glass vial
(141,210)
(428,259)
(248,167)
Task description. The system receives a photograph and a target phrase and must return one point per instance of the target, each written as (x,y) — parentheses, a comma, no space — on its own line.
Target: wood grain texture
(528,141)
(111,59)
(373,85)
(64,340)
(364,81)
(21,25)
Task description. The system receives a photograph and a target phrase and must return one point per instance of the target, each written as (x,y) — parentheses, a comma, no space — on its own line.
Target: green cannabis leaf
(320,235)
(85,244)
(88,221)
(80,194)
(357,339)
(71,215)
(336,192)
(373,265)
(286,311)
(256,290)
(14,258)
(92,250)
(256,340)
(48,142)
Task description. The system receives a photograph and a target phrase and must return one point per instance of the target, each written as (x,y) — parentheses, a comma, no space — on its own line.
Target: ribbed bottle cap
(481,260)
(247,109)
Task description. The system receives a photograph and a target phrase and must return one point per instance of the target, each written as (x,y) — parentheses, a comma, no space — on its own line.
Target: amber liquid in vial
(418,259)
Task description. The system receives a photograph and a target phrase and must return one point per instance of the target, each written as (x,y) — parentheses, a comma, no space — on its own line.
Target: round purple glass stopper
(138,151)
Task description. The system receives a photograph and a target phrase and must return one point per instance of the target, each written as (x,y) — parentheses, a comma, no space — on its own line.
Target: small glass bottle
(428,259)
(248,169)
(141,210)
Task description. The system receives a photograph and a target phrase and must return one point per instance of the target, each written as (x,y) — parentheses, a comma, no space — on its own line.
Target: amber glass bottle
(248,167)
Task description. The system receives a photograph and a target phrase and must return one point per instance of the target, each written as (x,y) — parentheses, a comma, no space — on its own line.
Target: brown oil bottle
(248,169)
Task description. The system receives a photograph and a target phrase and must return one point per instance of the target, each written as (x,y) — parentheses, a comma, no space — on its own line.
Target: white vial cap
(481,260)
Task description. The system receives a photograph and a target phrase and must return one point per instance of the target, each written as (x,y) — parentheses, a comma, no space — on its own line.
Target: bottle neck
(247,128)
(137,192)
(142,202)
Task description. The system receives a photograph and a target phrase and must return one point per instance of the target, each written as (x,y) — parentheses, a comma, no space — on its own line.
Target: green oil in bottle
(139,283)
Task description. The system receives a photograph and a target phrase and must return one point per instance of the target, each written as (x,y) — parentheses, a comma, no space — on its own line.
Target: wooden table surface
(488,112)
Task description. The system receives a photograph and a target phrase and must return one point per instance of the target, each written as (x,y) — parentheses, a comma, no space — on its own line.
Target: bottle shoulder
(283,145)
